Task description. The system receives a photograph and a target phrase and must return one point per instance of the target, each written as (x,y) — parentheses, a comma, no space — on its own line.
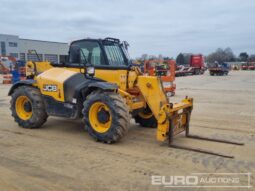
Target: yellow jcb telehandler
(99,84)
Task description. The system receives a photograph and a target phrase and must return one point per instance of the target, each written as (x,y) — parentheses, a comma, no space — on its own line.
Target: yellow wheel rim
(23,107)
(98,124)
(145,115)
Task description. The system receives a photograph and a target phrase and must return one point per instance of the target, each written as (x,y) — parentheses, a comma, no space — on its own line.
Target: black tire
(196,72)
(119,113)
(211,73)
(150,122)
(39,115)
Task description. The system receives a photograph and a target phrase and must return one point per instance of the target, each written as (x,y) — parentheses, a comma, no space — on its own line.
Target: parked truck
(218,69)
(191,64)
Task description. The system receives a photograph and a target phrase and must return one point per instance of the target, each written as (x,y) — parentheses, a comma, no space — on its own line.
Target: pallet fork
(172,133)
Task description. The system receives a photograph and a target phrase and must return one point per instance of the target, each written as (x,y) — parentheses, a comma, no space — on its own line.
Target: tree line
(227,55)
(220,55)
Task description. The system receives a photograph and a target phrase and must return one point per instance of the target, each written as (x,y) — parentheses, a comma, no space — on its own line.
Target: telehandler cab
(99,84)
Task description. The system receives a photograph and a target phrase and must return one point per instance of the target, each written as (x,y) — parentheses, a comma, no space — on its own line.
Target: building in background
(9,45)
(12,45)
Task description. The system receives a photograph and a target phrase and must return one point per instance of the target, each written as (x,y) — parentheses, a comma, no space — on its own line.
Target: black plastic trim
(77,83)
(20,83)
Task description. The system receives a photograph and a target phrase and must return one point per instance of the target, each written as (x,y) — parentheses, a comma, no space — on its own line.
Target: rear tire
(196,72)
(27,107)
(112,123)
(146,119)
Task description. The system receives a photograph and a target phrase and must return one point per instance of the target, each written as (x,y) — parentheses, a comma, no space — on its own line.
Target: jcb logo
(50,88)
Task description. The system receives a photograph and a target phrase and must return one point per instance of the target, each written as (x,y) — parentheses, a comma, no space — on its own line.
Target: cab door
(112,68)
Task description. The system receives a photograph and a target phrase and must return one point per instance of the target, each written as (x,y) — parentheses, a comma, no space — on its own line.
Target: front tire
(106,116)
(27,107)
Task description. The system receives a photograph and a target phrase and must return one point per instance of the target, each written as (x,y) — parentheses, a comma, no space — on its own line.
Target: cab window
(90,53)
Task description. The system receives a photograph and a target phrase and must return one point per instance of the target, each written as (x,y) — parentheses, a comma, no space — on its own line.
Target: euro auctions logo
(209,180)
(172,181)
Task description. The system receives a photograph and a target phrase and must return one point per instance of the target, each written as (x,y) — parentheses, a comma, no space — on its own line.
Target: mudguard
(89,85)
(103,85)
(21,83)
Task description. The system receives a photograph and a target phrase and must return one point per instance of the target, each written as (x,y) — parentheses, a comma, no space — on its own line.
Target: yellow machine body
(40,67)
(149,88)
(51,82)
(118,77)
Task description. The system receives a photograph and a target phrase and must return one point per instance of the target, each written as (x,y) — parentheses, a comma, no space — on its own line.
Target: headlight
(167,84)
(90,70)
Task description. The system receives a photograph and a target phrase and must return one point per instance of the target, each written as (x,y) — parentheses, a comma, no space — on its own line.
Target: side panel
(51,82)
(115,76)
(60,109)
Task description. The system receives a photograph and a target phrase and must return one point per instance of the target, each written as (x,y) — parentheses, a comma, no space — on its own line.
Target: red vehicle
(166,70)
(194,65)
(245,66)
(251,65)
(248,66)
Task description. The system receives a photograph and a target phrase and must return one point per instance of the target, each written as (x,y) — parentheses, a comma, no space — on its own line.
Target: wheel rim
(23,107)
(145,115)
(100,117)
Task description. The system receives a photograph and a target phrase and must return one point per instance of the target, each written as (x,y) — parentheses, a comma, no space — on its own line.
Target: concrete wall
(9,39)
(45,49)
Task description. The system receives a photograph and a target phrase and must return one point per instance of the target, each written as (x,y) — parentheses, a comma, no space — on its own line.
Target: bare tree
(221,55)
(160,57)
(180,59)
(252,58)
(144,57)
(243,56)
(152,57)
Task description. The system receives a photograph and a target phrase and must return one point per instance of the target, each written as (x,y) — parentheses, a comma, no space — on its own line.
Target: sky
(155,27)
